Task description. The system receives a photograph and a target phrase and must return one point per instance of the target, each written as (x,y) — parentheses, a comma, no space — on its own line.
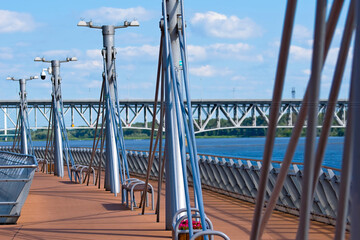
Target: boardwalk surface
(58,209)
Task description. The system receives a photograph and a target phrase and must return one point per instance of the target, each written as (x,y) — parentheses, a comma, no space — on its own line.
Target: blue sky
(233,47)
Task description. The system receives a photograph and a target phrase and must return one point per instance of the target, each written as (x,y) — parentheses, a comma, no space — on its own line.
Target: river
(239,147)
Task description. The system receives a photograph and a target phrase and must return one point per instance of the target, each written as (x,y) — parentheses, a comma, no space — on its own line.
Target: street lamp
(112,167)
(58,121)
(68,59)
(126,24)
(26,145)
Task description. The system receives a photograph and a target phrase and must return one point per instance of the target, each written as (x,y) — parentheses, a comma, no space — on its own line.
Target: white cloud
(128,67)
(117,15)
(93,53)
(307,72)
(300,53)
(239,51)
(223,47)
(302,33)
(218,25)
(145,50)
(43,84)
(89,65)
(209,71)
(61,54)
(203,71)
(238,78)
(6,53)
(196,52)
(16,22)
(332,56)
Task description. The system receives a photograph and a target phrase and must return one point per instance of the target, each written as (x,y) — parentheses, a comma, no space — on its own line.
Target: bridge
(208,115)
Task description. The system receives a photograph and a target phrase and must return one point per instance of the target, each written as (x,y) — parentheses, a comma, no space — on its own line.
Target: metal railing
(239,178)
(16,174)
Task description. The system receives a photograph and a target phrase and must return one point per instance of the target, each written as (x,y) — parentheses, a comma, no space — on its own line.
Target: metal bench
(79,172)
(133,185)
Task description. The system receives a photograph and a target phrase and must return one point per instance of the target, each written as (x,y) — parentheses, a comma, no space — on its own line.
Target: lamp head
(134,23)
(82,23)
(39,59)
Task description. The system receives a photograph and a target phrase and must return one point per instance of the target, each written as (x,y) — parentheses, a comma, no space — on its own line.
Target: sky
(232,45)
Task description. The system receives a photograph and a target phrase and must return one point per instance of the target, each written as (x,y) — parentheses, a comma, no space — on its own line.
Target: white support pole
(175,192)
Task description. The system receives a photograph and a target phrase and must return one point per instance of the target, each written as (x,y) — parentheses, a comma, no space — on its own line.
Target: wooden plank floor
(58,209)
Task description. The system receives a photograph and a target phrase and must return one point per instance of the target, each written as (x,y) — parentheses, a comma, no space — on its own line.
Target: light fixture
(126,24)
(68,59)
(38,59)
(83,24)
(71,59)
(134,23)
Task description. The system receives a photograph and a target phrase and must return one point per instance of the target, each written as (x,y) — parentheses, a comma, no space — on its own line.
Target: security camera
(43,75)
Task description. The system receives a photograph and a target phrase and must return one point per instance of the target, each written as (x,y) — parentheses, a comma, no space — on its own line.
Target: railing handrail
(246,159)
(29,158)
(210,155)
(18,166)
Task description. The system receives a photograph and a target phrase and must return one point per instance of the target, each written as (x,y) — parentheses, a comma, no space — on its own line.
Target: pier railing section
(16,174)
(238,178)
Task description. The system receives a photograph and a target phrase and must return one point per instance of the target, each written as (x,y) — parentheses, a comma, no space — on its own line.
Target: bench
(79,172)
(133,185)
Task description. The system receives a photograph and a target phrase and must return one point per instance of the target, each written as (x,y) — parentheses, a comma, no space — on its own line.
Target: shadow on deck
(56,209)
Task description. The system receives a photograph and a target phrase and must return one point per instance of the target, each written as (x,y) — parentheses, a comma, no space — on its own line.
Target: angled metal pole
(175,192)
(355,118)
(330,28)
(112,177)
(57,112)
(24,131)
(274,111)
(58,147)
(314,89)
(23,117)
(112,168)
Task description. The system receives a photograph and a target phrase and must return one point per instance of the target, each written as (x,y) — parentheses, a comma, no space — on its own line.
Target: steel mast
(26,145)
(57,113)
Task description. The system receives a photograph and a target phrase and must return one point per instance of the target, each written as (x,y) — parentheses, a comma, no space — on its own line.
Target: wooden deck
(58,209)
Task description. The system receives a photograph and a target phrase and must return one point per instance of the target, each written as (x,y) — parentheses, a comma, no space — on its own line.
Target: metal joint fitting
(179,22)
(161,24)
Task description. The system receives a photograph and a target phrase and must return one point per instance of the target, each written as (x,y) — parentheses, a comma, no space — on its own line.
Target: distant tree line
(236,132)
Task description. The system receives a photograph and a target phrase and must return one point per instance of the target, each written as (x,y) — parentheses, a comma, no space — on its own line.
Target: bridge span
(208,114)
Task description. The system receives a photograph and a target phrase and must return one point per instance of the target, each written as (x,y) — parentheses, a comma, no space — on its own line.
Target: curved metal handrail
(209,232)
(176,222)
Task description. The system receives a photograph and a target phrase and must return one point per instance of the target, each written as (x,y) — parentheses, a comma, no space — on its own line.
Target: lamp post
(56,104)
(112,181)
(175,189)
(25,136)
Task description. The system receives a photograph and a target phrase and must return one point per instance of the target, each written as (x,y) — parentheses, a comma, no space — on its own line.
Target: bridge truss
(208,115)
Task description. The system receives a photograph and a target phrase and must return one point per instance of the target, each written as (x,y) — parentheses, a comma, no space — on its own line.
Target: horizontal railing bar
(15,180)
(246,159)
(8,203)
(18,166)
